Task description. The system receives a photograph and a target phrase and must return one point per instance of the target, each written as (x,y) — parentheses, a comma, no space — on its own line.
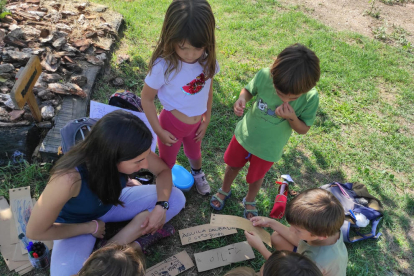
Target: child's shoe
(201,183)
(148,240)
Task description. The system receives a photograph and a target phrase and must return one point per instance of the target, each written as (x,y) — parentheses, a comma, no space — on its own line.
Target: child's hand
(260,221)
(239,107)
(286,112)
(254,240)
(201,131)
(167,138)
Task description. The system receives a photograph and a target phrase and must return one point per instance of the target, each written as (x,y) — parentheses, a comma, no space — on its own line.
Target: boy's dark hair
(114,260)
(317,211)
(295,70)
(290,263)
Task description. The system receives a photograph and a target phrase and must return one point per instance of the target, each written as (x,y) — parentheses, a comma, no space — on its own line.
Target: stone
(4,89)
(58,43)
(44,33)
(46,125)
(79,80)
(3,111)
(69,48)
(9,83)
(48,112)
(10,56)
(81,42)
(16,114)
(45,95)
(121,58)
(99,8)
(118,82)
(7,101)
(69,13)
(47,39)
(63,27)
(49,78)
(82,6)
(6,67)
(66,89)
(94,60)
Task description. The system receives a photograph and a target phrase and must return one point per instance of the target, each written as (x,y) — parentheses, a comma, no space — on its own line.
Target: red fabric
(279,207)
(236,156)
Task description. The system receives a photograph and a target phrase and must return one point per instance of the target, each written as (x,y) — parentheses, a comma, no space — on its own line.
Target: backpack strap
(373,235)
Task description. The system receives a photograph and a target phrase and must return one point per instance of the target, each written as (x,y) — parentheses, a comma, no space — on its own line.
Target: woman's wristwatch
(163,204)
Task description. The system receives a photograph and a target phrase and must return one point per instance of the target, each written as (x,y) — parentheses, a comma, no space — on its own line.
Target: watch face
(166,205)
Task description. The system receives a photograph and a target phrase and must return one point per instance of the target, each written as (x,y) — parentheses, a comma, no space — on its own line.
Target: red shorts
(236,156)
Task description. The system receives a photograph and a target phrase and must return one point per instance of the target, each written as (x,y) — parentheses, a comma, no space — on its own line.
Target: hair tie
(97,226)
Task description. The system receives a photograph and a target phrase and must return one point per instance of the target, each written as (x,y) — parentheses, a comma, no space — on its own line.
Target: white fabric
(174,93)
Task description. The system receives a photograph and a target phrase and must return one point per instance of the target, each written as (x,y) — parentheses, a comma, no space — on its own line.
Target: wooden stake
(22,90)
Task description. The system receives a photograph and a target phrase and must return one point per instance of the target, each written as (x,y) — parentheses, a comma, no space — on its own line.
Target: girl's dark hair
(114,260)
(118,136)
(296,70)
(190,20)
(285,262)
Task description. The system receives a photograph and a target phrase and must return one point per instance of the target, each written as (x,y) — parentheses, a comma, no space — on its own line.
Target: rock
(16,114)
(73,67)
(82,6)
(79,80)
(101,56)
(118,82)
(33,1)
(10,56)
(49,62)
(57,34)
(99,8)
(3,112)
(7,101)
(122,58)
(2,34)
(81,19)
(66,89)
(45,95)
(4,89)
(81,42)
(5,68)
(9,83)
(28,116)
(49,78)
(47,39)
(94,60)
(58,43)
(11,40)
(46,125)
(48,112)
(38,13)
(91,34)
(69,13)
(69,48)
(6,76)
(63,27)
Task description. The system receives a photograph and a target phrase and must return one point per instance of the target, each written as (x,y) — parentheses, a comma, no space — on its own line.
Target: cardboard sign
(204,232)
(21,205)
(98,110)
(22,90)
(222,256)
(172,266)
(242,223)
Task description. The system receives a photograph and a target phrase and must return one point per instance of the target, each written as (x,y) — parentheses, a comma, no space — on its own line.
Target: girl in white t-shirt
(181,73)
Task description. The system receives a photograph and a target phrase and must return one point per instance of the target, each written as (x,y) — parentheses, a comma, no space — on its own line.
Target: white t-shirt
(186,91)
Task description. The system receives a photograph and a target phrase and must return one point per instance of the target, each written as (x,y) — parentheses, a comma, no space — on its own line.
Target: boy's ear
(321,238)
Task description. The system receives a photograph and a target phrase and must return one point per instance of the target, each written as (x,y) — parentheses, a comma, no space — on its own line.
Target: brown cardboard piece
(242,223)
(26,270)
(204,232)
(7,253)
(172,266)
(21,205)
(222,256)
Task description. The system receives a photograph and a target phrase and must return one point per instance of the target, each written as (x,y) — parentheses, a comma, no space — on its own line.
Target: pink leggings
(184,133)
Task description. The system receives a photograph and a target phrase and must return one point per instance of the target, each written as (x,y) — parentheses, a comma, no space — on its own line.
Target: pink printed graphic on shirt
(195,85)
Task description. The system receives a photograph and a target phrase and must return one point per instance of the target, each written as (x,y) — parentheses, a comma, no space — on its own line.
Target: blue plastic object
(181,178)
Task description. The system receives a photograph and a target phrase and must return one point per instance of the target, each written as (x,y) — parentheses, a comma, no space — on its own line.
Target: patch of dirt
(350,15)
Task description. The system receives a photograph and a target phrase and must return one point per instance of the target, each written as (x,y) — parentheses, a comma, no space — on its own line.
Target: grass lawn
(363,132)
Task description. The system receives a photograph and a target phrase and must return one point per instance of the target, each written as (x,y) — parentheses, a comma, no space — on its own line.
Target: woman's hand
(167,138)
(201,131)
(98,228)
(154,221)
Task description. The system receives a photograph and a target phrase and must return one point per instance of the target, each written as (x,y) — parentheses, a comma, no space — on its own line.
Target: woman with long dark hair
(89,187)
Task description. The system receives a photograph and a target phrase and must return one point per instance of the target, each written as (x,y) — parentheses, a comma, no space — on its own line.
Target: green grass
(363,131)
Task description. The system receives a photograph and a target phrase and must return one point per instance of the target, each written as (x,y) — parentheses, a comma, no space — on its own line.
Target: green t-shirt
(330,259)
(261,132)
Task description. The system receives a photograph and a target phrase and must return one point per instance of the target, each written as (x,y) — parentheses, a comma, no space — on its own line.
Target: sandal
(254,211)
(222,201)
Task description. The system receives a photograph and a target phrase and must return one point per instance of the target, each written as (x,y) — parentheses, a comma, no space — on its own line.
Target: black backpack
(356,200)
(74,132)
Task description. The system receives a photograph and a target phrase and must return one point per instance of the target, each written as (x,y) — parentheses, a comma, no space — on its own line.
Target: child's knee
(276,240)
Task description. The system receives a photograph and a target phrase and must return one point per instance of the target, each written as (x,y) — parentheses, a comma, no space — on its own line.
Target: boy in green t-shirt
(285,99)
